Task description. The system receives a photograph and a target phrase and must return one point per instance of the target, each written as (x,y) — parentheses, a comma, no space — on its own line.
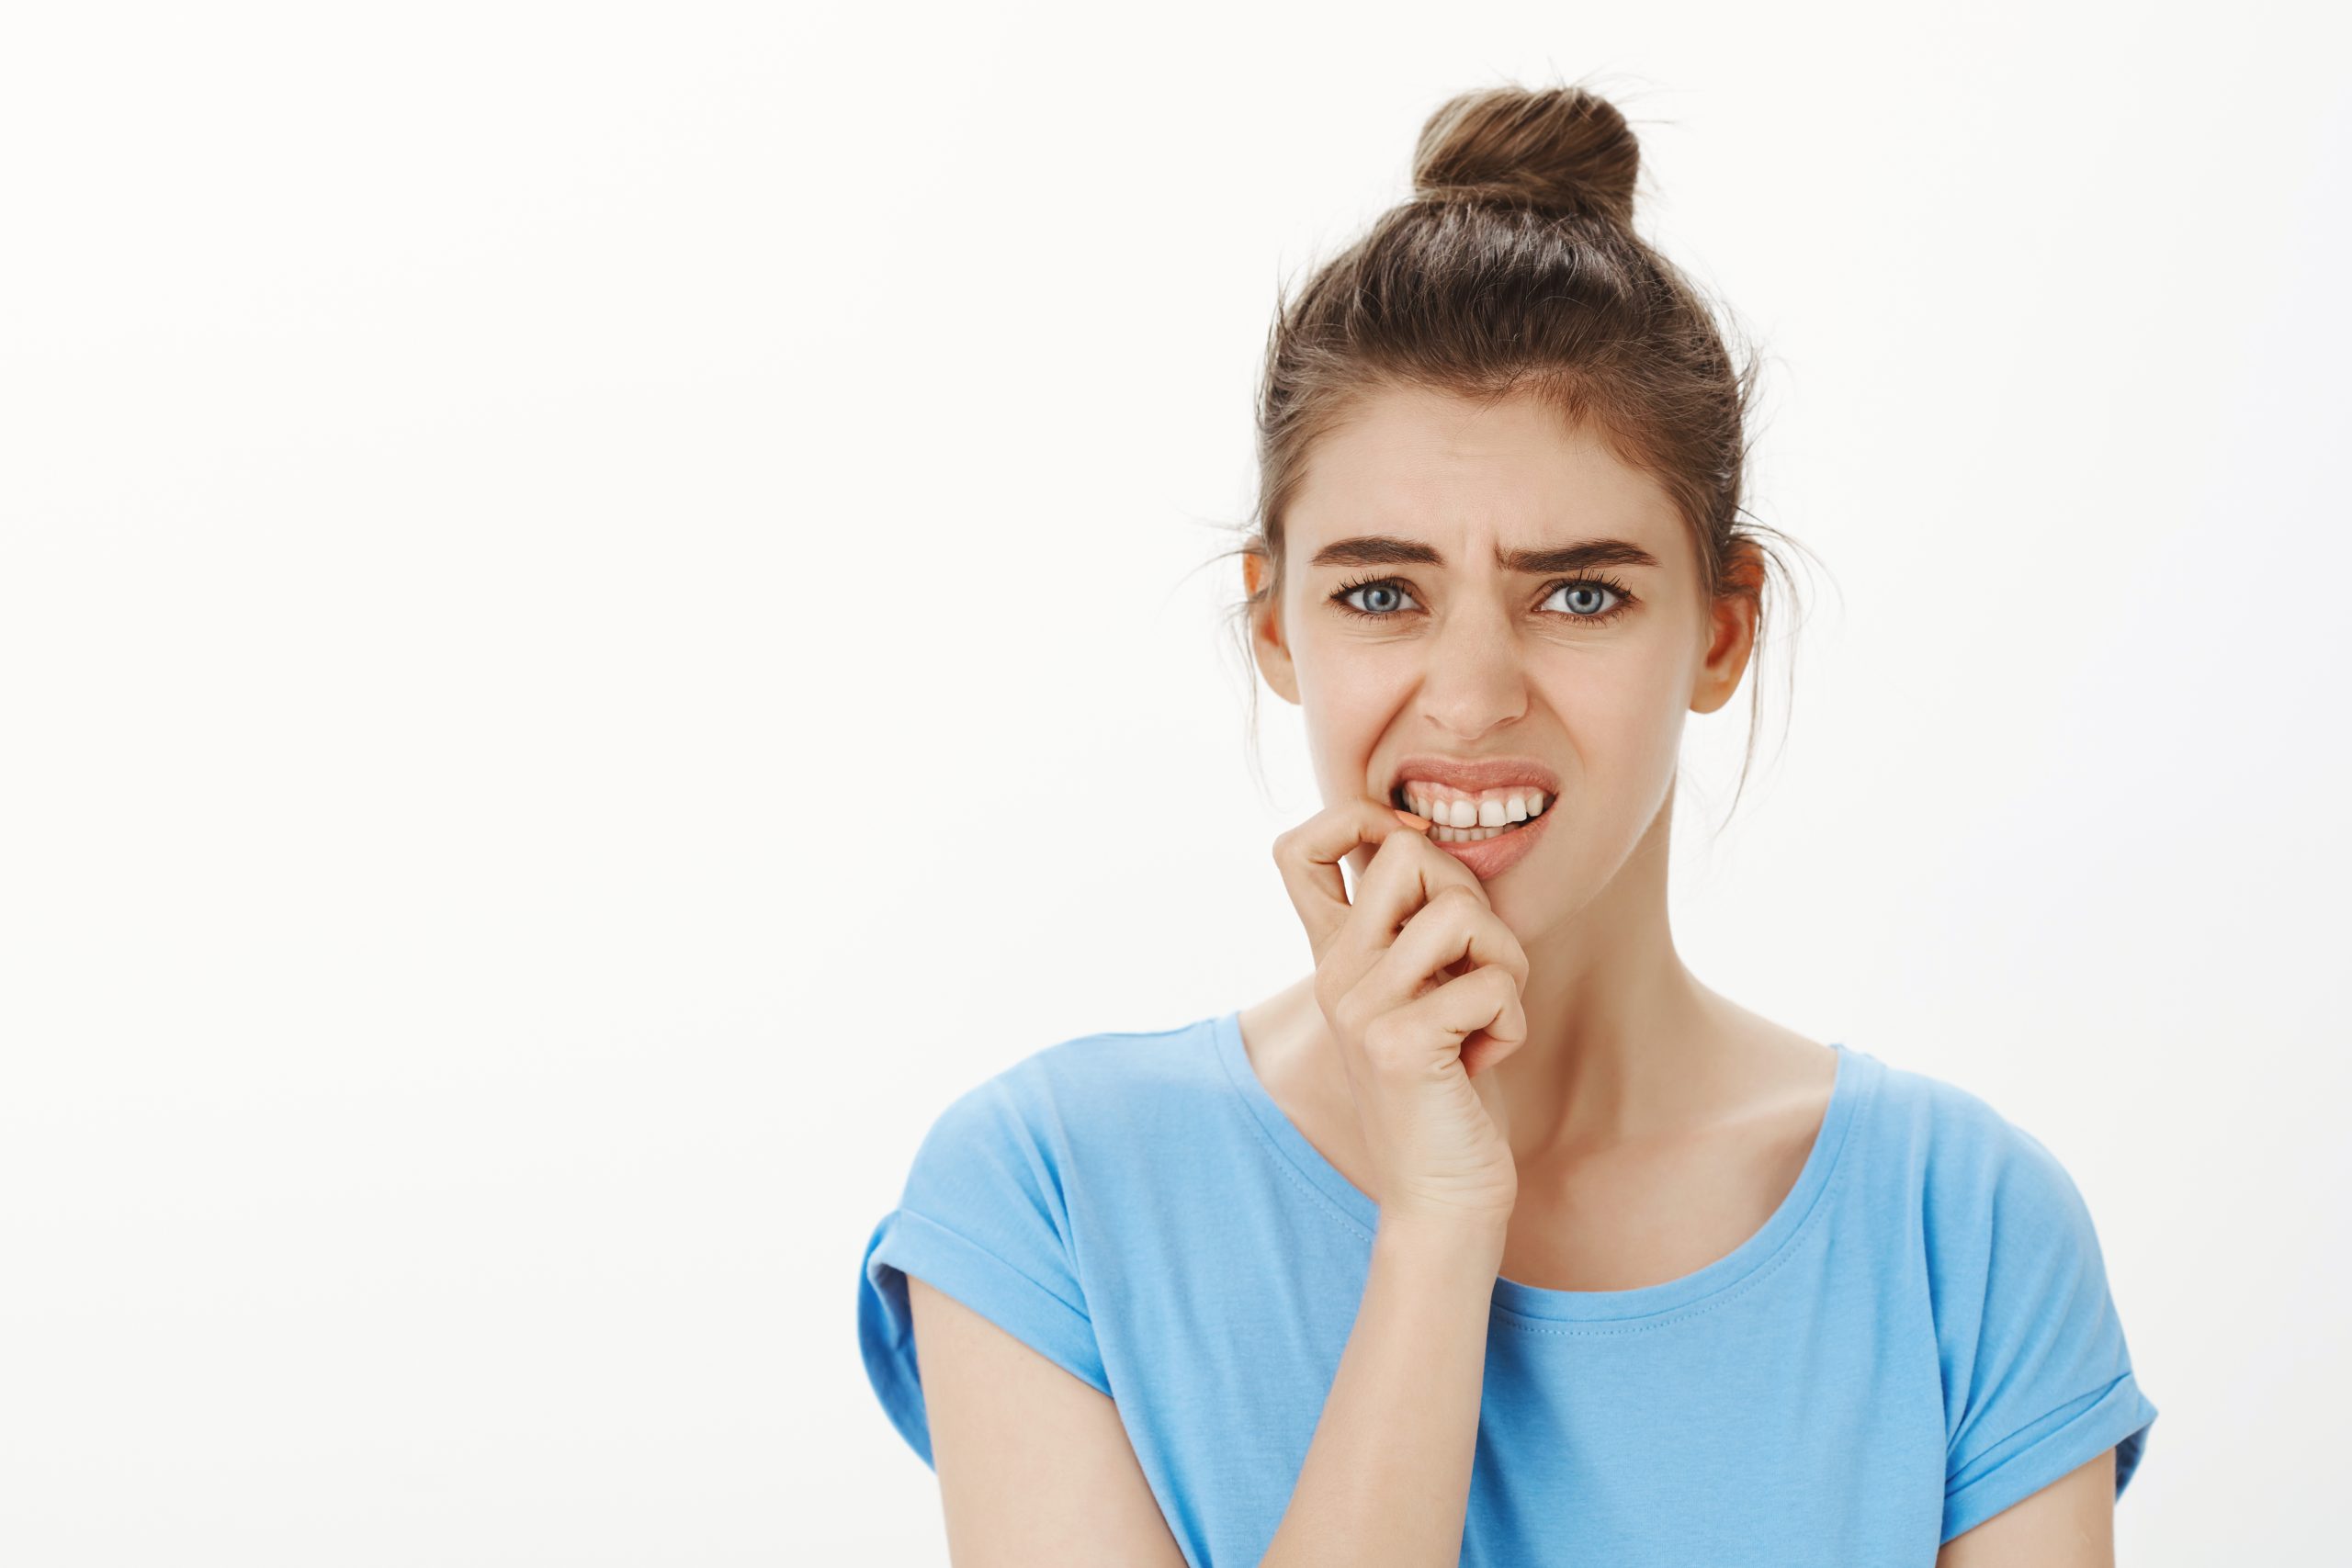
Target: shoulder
(2036,1369)
(1110,1067)
(1996,1221)
(1963,1151)
(2013,1258)
(1099,1088)
(1115,1062)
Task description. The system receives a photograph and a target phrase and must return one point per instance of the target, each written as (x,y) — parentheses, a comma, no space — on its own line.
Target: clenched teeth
(1458,808)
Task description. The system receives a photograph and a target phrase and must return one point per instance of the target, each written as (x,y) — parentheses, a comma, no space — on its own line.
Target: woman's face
(1584,669)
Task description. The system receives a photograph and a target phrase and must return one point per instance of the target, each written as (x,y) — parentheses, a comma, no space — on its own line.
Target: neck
(1624,1044)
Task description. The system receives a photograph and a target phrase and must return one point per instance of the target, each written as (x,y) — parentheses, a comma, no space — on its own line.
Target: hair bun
(1559,149)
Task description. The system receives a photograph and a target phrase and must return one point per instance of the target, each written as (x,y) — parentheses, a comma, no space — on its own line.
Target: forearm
(1386,1479)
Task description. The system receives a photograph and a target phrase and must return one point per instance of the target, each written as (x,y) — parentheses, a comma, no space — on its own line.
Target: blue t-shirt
(1918,1337)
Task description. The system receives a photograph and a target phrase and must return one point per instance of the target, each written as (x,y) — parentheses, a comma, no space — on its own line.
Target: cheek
(1635,717)
(1347,707)
(1624,723)
(1617,700)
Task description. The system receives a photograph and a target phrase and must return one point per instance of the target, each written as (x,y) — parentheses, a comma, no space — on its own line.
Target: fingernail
(1410,819)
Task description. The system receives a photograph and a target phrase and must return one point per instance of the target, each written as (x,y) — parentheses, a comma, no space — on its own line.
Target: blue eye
(1582,590)
(1377,585)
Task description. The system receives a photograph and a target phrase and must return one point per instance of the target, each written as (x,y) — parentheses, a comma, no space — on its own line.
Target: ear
(1265,631)
(1731,631)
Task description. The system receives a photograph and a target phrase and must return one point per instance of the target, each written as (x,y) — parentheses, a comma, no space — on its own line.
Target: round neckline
(1847,1089)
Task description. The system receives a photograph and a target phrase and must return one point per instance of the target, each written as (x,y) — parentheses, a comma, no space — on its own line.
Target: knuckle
(1460,902)
(1382,1039)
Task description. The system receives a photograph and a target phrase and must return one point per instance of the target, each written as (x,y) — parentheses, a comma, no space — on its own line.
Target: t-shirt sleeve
(2038,1379)
(982,1219)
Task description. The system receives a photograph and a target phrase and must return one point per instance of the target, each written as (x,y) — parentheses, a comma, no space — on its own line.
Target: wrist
(1454,1236)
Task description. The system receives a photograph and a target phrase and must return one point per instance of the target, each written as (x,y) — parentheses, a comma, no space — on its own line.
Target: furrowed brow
(1388,549)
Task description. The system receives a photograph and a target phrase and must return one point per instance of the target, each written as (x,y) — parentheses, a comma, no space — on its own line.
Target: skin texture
(2068,1524)
(1035,1468)
(1654,1124)
(1627,1052)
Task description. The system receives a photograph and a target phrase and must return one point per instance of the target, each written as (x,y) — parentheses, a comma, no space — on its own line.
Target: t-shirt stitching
(1526,1324)
(1523,1322)
(1674,1317)
(1289,1167)
(2089,1402)
(1006,1264)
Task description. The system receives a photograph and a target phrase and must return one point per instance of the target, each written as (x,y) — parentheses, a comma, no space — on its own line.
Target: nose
(1473,678)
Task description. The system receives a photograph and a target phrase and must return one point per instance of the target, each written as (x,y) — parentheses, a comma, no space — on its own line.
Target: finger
(1479,1012)
(1407,872)
(1452,928)
(1401,879)
(1496,1040)
(1310,853)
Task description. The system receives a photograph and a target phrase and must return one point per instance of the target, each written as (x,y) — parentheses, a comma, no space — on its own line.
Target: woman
(1498,1237)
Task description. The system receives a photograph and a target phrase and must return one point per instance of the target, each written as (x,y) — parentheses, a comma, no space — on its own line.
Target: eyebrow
(1388,549)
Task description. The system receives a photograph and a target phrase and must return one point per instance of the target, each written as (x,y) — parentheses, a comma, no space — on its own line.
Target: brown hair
(1513,268)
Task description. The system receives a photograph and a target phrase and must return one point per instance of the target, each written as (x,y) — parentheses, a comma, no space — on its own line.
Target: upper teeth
(1457,808)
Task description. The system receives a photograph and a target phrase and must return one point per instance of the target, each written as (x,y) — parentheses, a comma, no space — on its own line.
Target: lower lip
(1489,857)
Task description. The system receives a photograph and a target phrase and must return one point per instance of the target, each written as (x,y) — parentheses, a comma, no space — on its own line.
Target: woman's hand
(1419,1013)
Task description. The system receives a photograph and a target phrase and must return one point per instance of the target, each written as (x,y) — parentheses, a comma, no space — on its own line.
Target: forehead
(1434,465)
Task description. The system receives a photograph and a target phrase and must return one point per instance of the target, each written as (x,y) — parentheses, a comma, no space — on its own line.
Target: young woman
(1498,1237)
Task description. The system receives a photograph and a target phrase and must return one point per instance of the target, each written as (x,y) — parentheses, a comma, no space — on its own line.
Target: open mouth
(1446,833)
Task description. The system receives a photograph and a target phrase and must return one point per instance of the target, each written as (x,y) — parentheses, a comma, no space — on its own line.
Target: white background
(604,607)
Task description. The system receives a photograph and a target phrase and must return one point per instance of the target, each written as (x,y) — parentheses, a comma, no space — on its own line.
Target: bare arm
(1386,1480)
(2068,1524)
(1035,1467)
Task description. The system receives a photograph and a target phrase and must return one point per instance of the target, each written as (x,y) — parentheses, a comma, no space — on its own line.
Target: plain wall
(602,608)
